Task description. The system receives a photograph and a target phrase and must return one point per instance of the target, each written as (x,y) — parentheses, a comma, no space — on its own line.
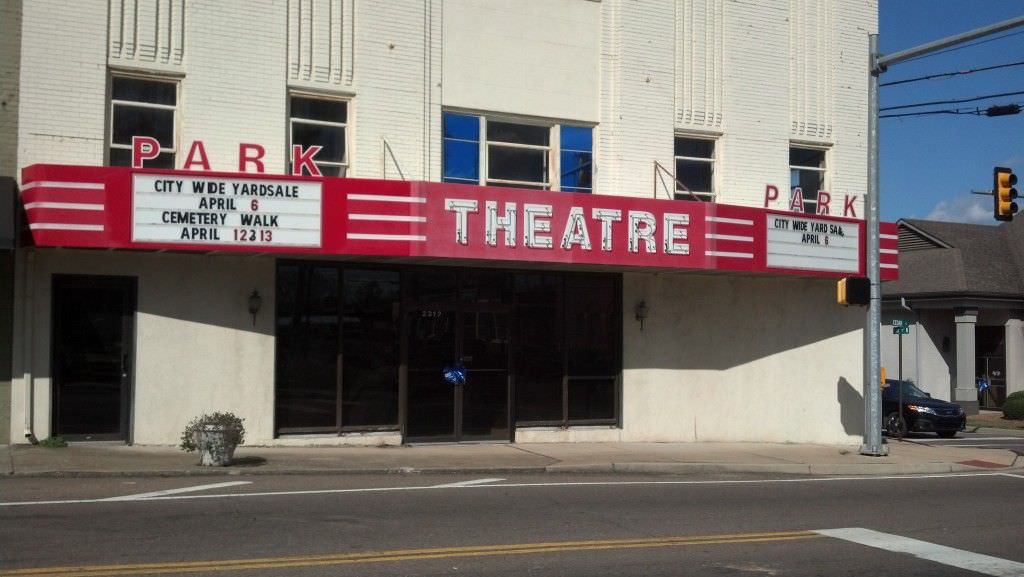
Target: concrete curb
(838,469)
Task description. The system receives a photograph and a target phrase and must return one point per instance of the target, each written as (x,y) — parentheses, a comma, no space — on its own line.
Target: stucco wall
(197,349)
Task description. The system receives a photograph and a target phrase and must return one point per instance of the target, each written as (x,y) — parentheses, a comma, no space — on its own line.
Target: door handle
(124,366)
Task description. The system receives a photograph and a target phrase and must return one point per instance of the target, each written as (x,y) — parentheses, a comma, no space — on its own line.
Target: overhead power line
(951,74)
(958,101)
(1001,110)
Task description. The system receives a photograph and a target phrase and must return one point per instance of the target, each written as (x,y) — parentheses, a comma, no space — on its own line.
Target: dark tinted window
(517,133)
(695,147)
(140,90)
(370,348)
(806,157)
(319,109)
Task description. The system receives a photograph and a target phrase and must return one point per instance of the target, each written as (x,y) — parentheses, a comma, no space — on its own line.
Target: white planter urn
(216,445)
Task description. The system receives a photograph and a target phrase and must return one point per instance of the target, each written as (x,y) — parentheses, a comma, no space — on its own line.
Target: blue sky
(930,164)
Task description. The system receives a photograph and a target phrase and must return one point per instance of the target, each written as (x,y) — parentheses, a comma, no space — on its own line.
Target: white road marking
(515,486)
(165,492)
(1012,475)
(924,550)
(970,438)
(468,483)
(973,445)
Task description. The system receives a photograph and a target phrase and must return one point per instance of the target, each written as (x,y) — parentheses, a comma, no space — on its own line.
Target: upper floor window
(142,107)
(480,150)
(695,168)
(806,177)
(320,122)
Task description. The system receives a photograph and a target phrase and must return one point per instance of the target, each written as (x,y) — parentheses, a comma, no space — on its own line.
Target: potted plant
(215,436)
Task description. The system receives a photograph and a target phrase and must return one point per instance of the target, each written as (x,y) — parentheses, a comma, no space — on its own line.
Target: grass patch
(53,442)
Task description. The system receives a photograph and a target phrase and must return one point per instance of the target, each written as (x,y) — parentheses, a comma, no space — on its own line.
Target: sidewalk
(650,458)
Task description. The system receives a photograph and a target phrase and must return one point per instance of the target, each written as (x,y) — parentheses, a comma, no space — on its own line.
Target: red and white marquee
(125,208)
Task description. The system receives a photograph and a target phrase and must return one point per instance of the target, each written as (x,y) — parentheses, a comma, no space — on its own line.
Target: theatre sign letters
(121,207)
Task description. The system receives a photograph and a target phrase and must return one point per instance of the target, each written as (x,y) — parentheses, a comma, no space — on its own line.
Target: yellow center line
(404,555)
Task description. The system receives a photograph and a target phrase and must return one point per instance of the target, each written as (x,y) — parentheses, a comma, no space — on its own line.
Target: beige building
(533,221)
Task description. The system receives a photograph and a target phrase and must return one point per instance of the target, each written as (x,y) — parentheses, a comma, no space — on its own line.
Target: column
(965,393)
(1015,352)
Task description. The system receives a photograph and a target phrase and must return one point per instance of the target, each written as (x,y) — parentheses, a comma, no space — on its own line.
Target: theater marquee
(115,207)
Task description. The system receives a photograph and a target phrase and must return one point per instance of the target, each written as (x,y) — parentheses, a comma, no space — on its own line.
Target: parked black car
(920,411)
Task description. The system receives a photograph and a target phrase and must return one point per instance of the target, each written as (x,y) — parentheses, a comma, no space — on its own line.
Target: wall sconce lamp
(641,313)
(255,302)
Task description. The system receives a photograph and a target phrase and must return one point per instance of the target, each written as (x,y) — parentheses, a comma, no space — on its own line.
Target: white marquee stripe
(406,237)
(889,236)
(387,217)
(886,265)
(888,251)
(389,198)
(725,220)
(729,254)
(730,237)
(64,205)
(58,184)
(958,558)
(64,226)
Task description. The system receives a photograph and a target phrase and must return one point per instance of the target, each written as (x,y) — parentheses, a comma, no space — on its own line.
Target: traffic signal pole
(872,350)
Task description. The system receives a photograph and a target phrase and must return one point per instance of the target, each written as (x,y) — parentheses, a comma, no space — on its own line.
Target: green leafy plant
(53,442)
(229,422)
(1013,406)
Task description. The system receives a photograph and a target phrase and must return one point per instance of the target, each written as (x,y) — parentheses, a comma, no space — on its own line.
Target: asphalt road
(523,525)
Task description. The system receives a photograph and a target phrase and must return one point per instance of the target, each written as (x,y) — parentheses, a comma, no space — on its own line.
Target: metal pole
(882,62)
(899,378)
(872,353)
(872,362)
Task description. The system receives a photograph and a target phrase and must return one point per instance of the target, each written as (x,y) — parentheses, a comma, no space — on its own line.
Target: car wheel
(894,427)
(946,434)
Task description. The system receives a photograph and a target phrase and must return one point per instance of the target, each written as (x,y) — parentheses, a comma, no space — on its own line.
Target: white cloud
(974,209)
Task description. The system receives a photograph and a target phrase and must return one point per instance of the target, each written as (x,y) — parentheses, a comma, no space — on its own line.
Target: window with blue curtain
(461,154)
(576,158)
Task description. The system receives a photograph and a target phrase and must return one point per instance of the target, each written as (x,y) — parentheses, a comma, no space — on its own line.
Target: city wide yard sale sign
(124,208)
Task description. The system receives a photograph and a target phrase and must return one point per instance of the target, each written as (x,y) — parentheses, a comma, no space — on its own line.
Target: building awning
(152,209)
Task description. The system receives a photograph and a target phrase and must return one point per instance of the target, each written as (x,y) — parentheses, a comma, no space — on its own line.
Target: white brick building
(614,98)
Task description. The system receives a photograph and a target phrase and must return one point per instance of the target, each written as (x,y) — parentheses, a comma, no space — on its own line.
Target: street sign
(902,323)
(901,330)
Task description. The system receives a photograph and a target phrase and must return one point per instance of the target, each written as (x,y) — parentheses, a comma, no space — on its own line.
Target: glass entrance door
(473,343)
(93,332)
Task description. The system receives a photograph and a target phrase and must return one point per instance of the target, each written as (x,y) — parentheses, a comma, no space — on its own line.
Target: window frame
(346,165)
(112,103)
(687,194)
(550,174)
(821,170)
(552,151)
(565,421)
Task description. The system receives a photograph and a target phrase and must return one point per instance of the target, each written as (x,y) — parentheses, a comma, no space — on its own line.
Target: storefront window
(142,107)
(307,348)
(369,386)
(568,359)
(543,348)
(316,330)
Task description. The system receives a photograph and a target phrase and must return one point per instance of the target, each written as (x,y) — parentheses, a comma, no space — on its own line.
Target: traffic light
(1004,193)
(854,290)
